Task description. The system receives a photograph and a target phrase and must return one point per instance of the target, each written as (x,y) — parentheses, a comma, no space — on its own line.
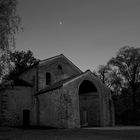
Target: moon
(60,22)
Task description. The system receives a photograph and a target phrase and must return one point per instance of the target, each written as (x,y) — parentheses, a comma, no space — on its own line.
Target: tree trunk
(134,94)
(134,99)
(133,104)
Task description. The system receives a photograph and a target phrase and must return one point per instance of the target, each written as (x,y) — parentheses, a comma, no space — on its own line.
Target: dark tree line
(20,61)
(122,75)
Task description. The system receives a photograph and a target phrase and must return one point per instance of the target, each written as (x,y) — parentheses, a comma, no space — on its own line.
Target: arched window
(48,78)
(59,67)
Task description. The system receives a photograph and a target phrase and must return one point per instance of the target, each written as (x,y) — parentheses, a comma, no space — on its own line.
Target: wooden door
(26,118)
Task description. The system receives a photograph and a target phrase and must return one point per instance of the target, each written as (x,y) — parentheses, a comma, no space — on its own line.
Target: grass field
(114,133)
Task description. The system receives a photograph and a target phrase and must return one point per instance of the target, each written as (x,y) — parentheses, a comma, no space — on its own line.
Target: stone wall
(72,99)
(100,103)
(59,70)
(53,109)
(16,100)
(89,104)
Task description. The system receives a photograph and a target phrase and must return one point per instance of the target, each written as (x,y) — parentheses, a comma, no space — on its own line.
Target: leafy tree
(102,71)
(2,66)
(122,75)
(109,77)
(127,68)
(21,60)
(9,25)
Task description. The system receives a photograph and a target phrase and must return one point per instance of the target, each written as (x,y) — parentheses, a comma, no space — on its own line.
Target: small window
(48,78)
(59,67)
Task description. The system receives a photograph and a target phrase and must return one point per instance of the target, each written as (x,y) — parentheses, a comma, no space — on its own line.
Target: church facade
(56,93)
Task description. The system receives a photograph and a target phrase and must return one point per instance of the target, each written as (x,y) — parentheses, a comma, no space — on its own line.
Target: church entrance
(87,103)
(83,118)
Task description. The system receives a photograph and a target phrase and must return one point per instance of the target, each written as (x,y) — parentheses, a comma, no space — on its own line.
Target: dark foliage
(122,76)
(9,25)
(20,61)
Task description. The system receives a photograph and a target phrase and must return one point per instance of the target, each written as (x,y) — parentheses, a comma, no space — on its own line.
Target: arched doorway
(88,104)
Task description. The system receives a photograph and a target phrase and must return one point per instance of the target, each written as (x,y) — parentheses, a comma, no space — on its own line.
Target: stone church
(56,93)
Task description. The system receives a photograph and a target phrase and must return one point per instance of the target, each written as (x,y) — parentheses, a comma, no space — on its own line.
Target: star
(60,22)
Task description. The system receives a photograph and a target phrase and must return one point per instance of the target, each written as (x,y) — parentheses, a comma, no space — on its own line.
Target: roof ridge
(51,57)
(73,64)
(60,55)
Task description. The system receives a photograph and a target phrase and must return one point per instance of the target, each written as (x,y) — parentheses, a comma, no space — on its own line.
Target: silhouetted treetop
(21,60)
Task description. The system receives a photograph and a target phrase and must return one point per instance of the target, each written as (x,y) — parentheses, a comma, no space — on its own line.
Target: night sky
(88,32)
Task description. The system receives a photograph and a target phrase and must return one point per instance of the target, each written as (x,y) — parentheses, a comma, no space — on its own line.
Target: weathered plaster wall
(56,73)
(17,99)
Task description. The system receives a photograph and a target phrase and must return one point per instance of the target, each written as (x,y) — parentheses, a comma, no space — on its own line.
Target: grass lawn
(114,133)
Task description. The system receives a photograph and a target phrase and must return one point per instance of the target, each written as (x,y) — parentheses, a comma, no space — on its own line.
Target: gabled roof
(50,59)
(42,62)
(70,62)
